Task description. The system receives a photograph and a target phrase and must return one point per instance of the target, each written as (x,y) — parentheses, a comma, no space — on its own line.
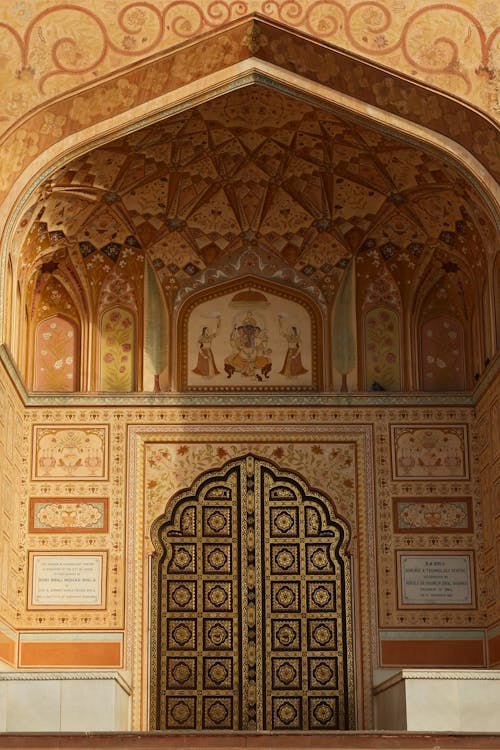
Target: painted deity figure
(249,345)
(292,365)
(206,363)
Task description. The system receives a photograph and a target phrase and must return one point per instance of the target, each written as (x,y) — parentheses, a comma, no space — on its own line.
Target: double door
(251,606)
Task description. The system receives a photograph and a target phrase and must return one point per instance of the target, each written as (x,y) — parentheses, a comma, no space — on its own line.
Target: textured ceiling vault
(256,170)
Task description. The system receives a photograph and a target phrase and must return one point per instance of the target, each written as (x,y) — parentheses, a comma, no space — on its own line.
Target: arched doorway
(251,606)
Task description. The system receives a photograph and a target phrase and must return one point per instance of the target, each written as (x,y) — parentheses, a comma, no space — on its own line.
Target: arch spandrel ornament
(251,606)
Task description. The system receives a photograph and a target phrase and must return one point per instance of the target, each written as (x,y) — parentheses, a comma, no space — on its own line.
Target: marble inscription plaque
(67,581)
(435,580)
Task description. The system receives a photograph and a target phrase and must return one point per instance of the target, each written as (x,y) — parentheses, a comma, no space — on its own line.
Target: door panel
(251,609)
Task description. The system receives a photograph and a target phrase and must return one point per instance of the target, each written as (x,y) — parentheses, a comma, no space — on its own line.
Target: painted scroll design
(428,514)
(45,54)
(68,515)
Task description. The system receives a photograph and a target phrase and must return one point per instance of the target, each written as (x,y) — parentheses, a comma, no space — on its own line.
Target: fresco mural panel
(74,452)
(55,359)
(382,349)
(117,350)
(436,451)
(250,339)
(443,354)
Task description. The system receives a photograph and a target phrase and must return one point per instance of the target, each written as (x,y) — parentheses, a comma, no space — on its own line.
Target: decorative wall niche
(250,335)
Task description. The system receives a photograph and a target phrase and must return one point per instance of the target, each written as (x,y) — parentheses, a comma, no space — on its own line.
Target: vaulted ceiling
(256,169)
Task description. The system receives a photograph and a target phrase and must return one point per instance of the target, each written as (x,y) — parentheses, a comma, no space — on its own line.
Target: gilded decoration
(304,203)
(343,452)
(166,459)
(250,549)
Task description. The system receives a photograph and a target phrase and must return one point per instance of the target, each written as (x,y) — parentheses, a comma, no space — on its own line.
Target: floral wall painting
(250,338)
(117,372)
(72,453)
(422,515)
(443,354)
(437,452)
(382,350)
(55,360)
(68,515)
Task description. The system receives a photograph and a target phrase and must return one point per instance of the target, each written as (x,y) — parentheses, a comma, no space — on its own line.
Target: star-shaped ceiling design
(258,169)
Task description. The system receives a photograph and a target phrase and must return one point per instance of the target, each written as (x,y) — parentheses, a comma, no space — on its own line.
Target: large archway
(348,99)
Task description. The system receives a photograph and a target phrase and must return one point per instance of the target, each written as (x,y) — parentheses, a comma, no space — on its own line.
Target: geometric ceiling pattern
(259,170)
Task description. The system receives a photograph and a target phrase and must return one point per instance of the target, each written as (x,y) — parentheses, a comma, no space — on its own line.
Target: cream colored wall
(147,449)
(488,426)
(13,468)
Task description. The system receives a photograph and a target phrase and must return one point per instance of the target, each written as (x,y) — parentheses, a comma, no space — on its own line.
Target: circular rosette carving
(218,596)
(323,673)
(284,521)
(286,673)
(319,559)
(182,596)
(218,673)
(321,597)
(218,635)
(322,634)
(286,597)
(181,672)
(180,712)
(216,522)
(218,712)
(323,713)
(217,558)
(286,635)
(287,713)
(182,634)
(182,558)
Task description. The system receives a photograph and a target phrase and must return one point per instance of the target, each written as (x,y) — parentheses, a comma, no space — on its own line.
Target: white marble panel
(32,706)
(63,701)
(439,701)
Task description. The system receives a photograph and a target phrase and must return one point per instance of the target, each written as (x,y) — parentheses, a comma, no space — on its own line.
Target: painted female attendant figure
(206,362)
(293,361)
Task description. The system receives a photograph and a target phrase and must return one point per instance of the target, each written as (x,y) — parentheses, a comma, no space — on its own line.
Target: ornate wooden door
(251,606)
